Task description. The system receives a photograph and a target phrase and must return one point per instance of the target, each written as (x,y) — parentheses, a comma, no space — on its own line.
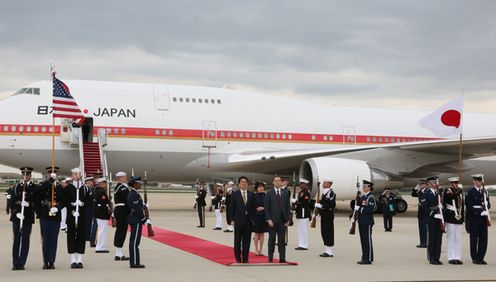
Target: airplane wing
(398,159)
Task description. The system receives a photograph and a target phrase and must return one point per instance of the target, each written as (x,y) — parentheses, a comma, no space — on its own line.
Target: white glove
(54,210)
(8,197)
(357,208)
(438,216)
(25,204)
(213,197)
(53,176)
(484,213)
(318,205)
(223,198)
(293,201)
(79,203)
(20,216)
(196,197)
(75,214)
(148,221)
(147,205)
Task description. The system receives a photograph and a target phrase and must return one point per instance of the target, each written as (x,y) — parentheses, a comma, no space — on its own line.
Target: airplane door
(209,134)
(349,135)
(161,98)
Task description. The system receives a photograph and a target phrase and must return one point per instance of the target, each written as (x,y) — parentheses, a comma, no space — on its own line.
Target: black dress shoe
(436,262)
(325,255)
(270,260)
(137,266)
(15,267)
(51,266)
(20,267)
(102,251)
(92,245)
(364,262)
(217,228)
(73,265)
(452,261)
(45,266)
(421,246)
(200,226)
(238,261)
(121,258)
(459,261)
(301,249)
(482,262)
(79,265)
(282,261)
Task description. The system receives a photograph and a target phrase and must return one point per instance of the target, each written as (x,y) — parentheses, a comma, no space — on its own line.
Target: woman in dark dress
(260,225)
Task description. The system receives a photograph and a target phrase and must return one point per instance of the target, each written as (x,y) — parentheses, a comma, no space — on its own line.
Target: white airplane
(182,133)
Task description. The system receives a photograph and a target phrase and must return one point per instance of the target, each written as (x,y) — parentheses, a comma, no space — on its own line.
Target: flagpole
(460,150)
(53,143)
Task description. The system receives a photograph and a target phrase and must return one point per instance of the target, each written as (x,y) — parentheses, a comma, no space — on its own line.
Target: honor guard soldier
(478,218)
(422,216)
(217,203)
(201,203)
(136,220)
(285,186)
(303,214)
(49,203)
(8,193)
(326,208)
(63,212)
(453,216)
(388,209)
(227,203)
(76,198)
(102,214)
(431,204)
(90,218)
(366,222)
(121,211)
(22,217)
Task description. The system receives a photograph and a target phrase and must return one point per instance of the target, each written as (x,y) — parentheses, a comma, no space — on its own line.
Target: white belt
(120,205)
(477,207)
(451,208)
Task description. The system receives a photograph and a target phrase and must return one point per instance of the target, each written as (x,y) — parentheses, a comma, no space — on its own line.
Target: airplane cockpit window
(32,91)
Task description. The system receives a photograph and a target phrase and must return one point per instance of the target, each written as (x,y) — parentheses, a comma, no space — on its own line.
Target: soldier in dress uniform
(48,211)
(326,208)
(454,213)
(303,214)
(22,208)
(227,202)
(201,203)
(285,186)
(63,212)
(76,198)
(90,218)
(388,209)
(102,214)
(121,212)
(217,203)
(417,192)
(478,205)
(7,198)
(136,220)
(431,206)
(366,222)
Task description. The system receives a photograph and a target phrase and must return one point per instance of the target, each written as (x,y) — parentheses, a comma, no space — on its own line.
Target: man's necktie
(244,197)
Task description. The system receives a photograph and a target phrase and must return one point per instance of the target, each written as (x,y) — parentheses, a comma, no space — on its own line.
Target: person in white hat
(303,215)
(453,216)
(478,219)
(326,208)
(217,204)
(102,214)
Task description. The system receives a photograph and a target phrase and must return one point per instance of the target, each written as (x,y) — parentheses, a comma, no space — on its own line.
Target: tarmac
(396,257)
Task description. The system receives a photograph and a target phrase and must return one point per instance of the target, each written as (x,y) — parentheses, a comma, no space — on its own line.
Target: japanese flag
(447,120)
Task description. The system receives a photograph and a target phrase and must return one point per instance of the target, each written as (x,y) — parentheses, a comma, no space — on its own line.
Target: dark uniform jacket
(102,204)
(474,202)
(135,203)
(449,214)
(430,204)
(16,199)
(44,200)
(217,201)
(200,200)
(419,194)
(69,198)
(303,205)
(121,193)
(328,201)
(367,206)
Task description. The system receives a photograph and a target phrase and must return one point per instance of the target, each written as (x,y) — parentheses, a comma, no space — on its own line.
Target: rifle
(440,207)
(111,205)
(484,206)
(151,233)
(354,214)
(313,224)
(197,189)
(77,204)
(22,206)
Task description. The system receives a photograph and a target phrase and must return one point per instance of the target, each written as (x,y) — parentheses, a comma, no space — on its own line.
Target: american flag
(64,105)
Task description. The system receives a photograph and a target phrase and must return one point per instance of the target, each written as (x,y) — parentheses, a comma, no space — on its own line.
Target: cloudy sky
(408,54)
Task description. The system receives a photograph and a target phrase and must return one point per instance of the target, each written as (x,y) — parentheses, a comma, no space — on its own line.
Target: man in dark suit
(242,209)
(277,215)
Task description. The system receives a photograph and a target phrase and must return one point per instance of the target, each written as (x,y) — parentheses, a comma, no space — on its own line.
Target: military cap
(49,169)
(423,180)
(366,182)
(432,178)
(26,170)
(478,177)
(76,170)
(303,180)
(327,180)
(134,179)
(89,178)
(454,179)
(120,173)
(100,180)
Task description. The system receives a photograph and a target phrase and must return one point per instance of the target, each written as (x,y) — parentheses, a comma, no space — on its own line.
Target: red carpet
(212,251)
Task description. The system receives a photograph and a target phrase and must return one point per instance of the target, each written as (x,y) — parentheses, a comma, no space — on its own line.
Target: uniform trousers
(218,218)
(101,244)
(365,231)
(76,235)
(134,242)
(303,232)
(454,236)
(49,236)
(20,247)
